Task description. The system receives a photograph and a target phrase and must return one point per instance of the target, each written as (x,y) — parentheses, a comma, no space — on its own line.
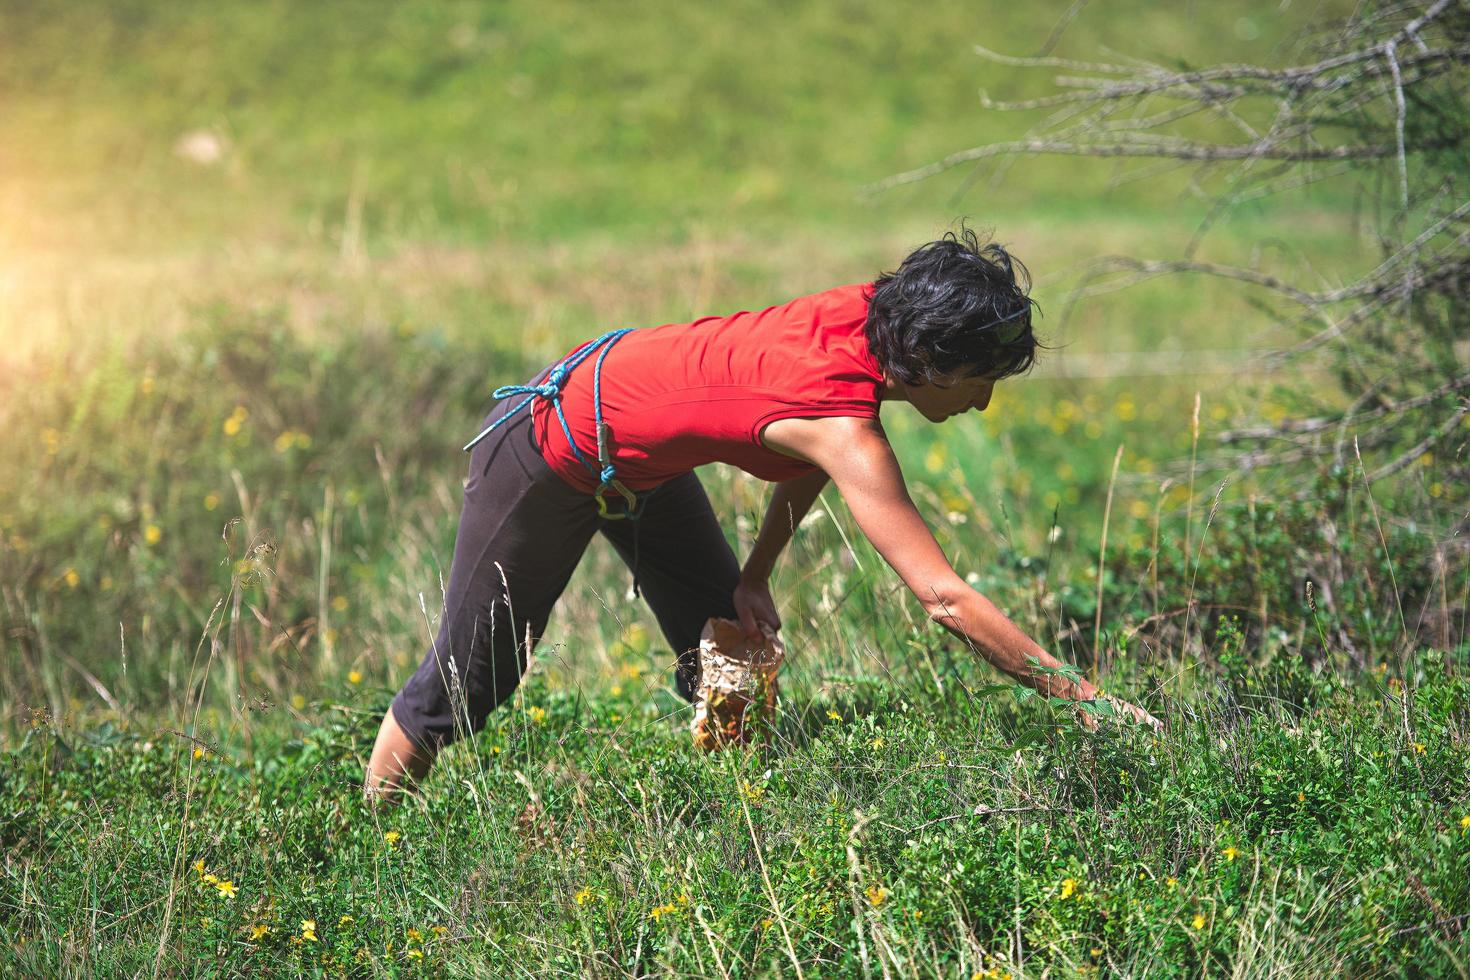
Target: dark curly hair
(956,304)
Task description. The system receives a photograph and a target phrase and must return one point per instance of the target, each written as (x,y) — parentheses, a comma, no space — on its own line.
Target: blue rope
(551,390)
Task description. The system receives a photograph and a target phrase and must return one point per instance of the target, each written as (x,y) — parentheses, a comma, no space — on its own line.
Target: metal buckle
(630,500)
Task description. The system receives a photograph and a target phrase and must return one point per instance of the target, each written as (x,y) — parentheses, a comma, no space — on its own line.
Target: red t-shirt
(683,394)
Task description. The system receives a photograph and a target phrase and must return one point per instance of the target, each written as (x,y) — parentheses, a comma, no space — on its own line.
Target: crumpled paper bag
(737,683)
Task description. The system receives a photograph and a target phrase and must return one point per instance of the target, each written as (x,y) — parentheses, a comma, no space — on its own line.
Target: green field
(261,265)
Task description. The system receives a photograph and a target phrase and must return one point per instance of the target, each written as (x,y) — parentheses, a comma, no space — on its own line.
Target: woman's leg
(685,568)
(521,534)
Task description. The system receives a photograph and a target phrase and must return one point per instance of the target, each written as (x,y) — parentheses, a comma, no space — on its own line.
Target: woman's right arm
(855,453)
(789,504)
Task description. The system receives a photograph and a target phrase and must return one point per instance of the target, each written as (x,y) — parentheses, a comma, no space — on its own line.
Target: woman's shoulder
(851,298)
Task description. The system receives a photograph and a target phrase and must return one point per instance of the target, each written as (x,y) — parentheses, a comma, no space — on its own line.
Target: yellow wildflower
(354,677)
(936,457)
(438,931)
(210,878)
(235,421)
(414,954)
(1199,921)
(308,930)
(199,864)
(344,920)
(258,930)
(1069,888)
(391,837)
(153,534)
(877,895)
(1419,748)
(1301,797)
(198,751)
(339,603)
(877,743)
(298,701)
(71,578)
(226,889)
(1465,823)
(834,716)
(536,713)
(211,501)
(414,935)
(767,923)
(1171,881)
(659,911)
(1230,853)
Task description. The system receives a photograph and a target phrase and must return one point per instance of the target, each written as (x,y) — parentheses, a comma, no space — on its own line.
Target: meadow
(263,264)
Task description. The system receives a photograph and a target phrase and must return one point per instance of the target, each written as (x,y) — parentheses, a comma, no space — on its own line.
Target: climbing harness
(606,472)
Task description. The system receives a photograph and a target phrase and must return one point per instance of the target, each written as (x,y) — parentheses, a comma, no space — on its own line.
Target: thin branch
(1423,446)
(1144,270)
(1398,96)
(1313,425)
(1176,149)
(1302,78)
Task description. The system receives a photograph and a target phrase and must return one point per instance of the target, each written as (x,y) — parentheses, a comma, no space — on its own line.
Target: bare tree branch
(1176,149)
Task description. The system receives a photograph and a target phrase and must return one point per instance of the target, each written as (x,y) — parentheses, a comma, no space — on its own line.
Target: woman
(789,394)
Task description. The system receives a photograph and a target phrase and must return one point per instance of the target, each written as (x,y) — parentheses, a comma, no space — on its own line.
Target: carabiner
(629,497)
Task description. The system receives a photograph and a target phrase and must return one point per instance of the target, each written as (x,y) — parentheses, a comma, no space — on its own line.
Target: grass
(897,827)
(233,395)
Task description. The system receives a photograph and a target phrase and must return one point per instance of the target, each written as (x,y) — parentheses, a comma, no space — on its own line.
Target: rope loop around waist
(550,390)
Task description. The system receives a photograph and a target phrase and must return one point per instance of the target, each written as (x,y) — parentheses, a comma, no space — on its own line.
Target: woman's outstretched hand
(1121,709)
(754,606)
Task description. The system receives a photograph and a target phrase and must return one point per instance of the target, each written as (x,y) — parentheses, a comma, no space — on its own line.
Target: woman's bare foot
(396,760)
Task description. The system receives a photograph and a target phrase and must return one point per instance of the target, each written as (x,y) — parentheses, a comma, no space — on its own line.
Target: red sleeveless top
(683,394)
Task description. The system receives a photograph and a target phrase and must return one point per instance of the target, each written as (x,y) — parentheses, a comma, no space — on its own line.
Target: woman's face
(950,396)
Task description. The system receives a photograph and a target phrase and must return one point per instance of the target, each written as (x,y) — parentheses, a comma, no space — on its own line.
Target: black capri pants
(522,531)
